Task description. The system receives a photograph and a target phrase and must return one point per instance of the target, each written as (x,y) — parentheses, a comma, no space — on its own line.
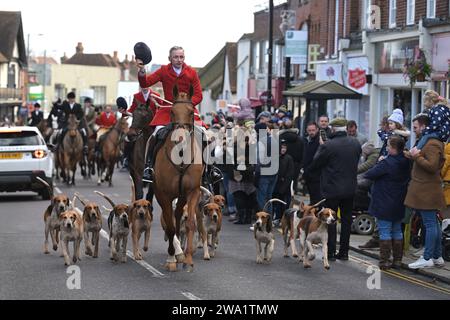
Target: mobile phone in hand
(323,135)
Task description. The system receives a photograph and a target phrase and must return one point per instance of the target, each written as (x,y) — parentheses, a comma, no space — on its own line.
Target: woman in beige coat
(426,196)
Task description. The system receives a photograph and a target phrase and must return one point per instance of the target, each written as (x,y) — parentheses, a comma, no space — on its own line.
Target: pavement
(410,255)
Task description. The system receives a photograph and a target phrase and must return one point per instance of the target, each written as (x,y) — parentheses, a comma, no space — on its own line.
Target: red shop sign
(357,78)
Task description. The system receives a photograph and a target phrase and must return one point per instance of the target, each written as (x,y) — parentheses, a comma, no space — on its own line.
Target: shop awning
(322,90)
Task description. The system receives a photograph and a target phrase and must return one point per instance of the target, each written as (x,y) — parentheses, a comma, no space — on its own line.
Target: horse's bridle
(178,125)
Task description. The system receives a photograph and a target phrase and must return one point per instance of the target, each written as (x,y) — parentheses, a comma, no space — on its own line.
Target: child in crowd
(391,177)
(395,127)
(439,114)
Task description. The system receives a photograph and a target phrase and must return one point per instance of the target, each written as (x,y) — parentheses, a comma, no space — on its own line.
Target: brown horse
(138,134)
(110,151)
(179,179)
(45,130)
(71,152)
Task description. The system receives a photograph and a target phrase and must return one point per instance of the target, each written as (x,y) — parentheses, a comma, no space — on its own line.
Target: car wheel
(45,194)
(446,252)
(364,224)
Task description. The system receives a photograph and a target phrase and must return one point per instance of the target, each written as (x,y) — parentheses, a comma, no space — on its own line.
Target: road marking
(190,296)
(116,195)
(404,277)
(58,190)
(142,263)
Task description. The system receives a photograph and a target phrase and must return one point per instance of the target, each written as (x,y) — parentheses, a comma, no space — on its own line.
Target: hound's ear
(175,92)
(269,224)
(191,91)
(99,213)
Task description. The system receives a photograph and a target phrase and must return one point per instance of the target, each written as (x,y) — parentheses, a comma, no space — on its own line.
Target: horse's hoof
(55,247)
(188,267)
(145,249)
(46,252)
(180,257)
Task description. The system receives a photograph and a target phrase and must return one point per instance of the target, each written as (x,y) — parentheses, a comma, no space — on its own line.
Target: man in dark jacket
(294,148)
(36,116)
(286,175)
(56,113)
(338,159)
(71,107)
(311,177)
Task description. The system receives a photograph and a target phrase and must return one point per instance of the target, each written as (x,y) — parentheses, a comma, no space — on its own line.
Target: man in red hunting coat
(106,120)
(176,72)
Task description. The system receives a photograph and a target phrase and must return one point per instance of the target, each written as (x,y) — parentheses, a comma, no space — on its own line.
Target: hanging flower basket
(420,77)
(418,69)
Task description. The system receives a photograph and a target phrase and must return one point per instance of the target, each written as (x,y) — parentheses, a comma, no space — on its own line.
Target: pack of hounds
(64,223)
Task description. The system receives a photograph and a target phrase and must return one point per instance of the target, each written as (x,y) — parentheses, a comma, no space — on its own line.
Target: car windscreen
(23,138)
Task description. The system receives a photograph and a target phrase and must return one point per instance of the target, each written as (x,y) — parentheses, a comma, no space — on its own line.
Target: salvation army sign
(355,74)
(357,78)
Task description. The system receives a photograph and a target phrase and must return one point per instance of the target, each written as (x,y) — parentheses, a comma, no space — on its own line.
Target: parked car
(24,156)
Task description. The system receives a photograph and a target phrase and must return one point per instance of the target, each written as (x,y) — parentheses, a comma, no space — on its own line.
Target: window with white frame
(410,11)
(431,8)
(392,13)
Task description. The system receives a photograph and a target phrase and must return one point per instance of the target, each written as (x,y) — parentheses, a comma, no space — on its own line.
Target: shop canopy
(322,90)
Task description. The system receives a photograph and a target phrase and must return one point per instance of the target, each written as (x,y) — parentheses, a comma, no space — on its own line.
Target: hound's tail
(273,200)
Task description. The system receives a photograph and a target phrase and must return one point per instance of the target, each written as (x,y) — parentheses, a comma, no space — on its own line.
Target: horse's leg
(110,172)
(192,201)
(166,206)
(178,214)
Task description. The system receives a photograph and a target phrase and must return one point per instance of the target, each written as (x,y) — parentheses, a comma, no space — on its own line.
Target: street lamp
(270,53)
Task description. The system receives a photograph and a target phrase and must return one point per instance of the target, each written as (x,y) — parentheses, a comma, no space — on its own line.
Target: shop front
(391,88)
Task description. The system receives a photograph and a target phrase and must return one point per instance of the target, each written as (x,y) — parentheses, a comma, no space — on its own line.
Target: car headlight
(39,154)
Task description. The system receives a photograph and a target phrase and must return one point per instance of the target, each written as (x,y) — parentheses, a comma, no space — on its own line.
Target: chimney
(79,48)
(115,57)
(64,58)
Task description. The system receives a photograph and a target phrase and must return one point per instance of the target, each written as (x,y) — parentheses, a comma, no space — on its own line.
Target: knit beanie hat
(396,116)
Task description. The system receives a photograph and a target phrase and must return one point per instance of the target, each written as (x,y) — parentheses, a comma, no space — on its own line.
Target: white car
(24,156)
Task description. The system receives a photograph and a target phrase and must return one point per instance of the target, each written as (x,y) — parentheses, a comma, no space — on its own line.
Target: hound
(141,217)
(289,225)
(263,234)
(262,231)
(92,220)
(71,230)
(314,229)
(211,225)
(119,229)
(58,205)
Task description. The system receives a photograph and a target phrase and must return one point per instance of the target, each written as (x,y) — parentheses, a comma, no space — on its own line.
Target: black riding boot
(85,142)
(148,171)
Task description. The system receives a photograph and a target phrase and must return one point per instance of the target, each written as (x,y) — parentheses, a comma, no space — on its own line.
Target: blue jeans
(433,235)
(231,205)
(390,230)
(423,140)
(266,185)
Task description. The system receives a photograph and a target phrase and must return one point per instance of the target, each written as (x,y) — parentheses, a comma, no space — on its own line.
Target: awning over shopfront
(322,90)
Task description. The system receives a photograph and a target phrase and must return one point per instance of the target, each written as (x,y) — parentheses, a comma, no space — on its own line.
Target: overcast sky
(200,26)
